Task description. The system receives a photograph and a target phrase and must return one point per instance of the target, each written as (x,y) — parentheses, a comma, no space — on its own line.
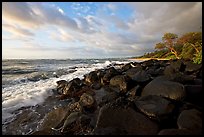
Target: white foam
(33,93)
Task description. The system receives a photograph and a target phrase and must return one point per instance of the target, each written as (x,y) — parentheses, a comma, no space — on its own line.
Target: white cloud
(61,11)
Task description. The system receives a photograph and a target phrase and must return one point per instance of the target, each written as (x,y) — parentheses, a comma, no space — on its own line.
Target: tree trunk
(174,52)
(197,51)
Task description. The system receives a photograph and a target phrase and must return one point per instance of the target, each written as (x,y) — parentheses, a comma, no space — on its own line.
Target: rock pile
(147,98)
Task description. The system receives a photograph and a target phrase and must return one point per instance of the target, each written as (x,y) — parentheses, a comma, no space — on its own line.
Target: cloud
(154,18)
(112,6)
(104,33)
(61,35)
(35,15)
(18,31)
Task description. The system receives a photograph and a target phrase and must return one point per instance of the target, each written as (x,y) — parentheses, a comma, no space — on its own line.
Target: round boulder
(154,106)
(178,132)
(160,86)
(127,119)
(190,119)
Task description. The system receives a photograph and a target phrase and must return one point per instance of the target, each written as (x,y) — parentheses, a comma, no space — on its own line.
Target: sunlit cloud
(92,30)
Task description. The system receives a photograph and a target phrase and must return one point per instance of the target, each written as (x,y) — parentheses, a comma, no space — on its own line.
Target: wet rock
(86,100)
(154,106)
(109,131)
(126,66)
(149,63)
(48,131)
(54,118)
(162,87)
(91,77)
(155,71)
(110,96)
(111,72)
(96,86)
(178,132)
(177,76)
(69,88)
(190,119)
(127,119)
(141,76)
(122,82)
(131,72)
(192,67)
(135,91)
(178,65)
(69,120)
(194,94)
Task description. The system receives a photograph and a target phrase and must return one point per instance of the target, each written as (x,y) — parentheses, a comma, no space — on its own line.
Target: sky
(61,30)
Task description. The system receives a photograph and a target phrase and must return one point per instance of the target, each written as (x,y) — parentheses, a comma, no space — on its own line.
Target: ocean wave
(35,90)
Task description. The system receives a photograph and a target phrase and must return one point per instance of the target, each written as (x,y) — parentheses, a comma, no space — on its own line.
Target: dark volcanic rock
(54,118)
(194,94)
(177,65)
(91,77)
(69,88)
(127,119)
(154,106)
(162,87)
(122,82)
(127,66)
(190,119)
(131,72)
(111,72)
(135,91)
(109,131)
(141,76)
(192,67)
(178,76)
(178,132)
(86,100)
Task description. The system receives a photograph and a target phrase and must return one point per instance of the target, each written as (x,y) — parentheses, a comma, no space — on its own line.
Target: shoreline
(102,93)
(145,59)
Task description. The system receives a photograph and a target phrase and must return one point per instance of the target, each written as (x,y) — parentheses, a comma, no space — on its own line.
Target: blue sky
(92,29)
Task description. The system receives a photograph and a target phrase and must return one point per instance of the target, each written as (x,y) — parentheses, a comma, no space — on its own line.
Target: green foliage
(160,45)
(187,52)
(198,58)
(169,36)
(188,46)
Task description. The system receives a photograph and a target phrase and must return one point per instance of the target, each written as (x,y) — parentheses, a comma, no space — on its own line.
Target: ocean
(27,83)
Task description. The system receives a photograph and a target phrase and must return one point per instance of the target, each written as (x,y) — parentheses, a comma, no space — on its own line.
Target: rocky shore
(154,97)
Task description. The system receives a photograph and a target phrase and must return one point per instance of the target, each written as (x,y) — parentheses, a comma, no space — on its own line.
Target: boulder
(127,119)
(162,87)
(91,77)
(109,131)
(111,72)
(69,88)
(86,100)
(192,67)
(154,106)
(190,119)
(141,76)
(194,94)
(177,65)
(131,72)
(54,118)
(178,76)
(126,66)
(135,91)
(122,82)
(178,132)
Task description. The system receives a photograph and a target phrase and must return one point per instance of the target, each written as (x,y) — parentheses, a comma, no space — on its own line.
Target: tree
(193,39)
(169,41)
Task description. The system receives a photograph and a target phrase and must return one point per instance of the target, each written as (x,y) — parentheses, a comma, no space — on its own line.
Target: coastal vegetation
(188,47)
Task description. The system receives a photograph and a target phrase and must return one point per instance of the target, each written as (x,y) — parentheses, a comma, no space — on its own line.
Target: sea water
(27,83)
